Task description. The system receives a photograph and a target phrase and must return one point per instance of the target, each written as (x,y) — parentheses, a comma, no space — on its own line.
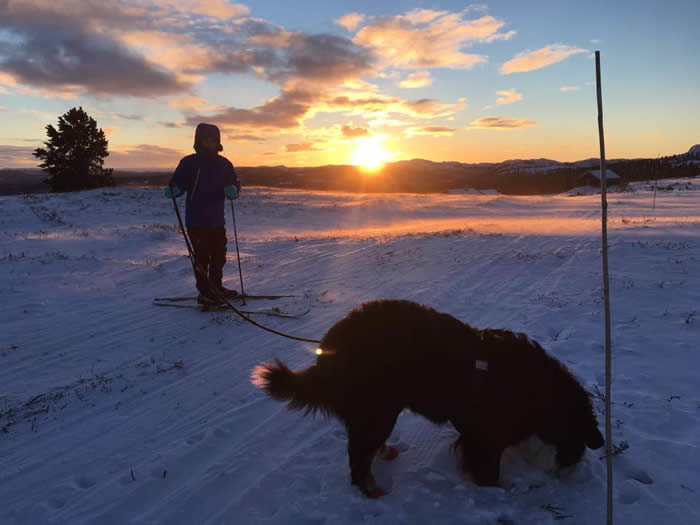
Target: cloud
(350,132)
(245,136)
(17,157)
(424,38)
(174,51)
(350,21)
(304,59)
(569,88)
(192,104)
(435,131)
(144,156)
(546,56)
(57,47)
(307,146)
(171,124)
(422,16)
(122,116)
(483,8)
(63,92)
(507,96)
(416,80)
(433,108)
(379,107)
(501,123)
(279,113)
(288,110)
(276,38)
(162,47)
(213,8)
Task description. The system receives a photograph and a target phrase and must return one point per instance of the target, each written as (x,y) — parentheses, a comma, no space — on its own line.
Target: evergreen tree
(74,153)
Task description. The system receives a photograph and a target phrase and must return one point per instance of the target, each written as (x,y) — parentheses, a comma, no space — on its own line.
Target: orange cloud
(350,132)
(416,80)
(144,156)
(66,92)
(279,39)
(432,108)
(501,123)
(425,38)
(546,56)
(246,136)
(435,131)
(569,88)
(17,156)
(306,146)
(192,104)
(377,106)
(508,96)
(214,8)
(174,51)
(283,112)
(350,21)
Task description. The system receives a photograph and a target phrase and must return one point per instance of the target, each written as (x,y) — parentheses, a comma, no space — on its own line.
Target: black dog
(496,387)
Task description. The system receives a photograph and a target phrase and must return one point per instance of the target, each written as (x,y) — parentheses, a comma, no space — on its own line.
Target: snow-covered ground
(114,411)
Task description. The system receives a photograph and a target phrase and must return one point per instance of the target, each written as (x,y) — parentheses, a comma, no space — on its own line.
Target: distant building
(592,178)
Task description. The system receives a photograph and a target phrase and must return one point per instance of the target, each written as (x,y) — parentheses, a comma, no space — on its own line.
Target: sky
(309,83)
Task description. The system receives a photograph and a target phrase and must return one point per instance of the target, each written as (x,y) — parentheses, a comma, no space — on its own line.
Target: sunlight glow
(370,154)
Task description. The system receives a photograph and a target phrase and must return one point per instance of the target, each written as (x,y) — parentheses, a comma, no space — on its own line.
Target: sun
(370,154)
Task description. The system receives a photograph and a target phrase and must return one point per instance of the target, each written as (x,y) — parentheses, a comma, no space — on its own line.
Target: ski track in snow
(115,411)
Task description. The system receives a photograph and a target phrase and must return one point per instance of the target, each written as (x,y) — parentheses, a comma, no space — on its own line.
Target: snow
(114,411)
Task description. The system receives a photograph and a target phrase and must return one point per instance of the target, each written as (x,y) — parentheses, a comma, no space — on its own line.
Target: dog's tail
(301,389)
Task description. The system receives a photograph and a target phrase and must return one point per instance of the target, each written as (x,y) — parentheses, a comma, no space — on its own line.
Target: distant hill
(517,176)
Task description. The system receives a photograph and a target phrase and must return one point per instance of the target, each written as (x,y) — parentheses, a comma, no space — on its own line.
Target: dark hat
(206,131)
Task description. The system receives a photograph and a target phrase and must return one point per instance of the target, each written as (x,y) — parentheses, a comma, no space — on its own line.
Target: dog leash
(196,266)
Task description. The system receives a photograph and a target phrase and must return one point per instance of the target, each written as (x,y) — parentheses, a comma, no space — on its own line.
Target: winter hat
(206,131)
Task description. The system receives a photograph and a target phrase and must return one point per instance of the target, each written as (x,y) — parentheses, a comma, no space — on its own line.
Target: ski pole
(195,265)
(190,250)
(238,255)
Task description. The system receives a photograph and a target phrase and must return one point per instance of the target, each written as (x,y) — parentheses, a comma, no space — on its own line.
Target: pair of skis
(191,303)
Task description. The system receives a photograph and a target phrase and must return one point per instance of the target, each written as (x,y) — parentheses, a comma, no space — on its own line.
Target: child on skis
(208,179)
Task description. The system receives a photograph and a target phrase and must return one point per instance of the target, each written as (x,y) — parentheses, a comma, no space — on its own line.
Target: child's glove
(172,191)
(231,192)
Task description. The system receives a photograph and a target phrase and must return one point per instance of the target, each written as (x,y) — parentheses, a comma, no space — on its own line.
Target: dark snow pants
(209,245)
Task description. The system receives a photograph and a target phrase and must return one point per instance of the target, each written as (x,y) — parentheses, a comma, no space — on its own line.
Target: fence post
(606,293)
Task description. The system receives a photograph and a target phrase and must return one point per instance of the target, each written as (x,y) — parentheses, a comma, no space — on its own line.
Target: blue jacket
(203,179)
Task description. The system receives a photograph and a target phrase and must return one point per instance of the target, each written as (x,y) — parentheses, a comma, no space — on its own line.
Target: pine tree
(75,153)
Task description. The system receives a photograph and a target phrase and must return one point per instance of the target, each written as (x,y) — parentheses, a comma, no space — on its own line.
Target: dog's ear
(594,439)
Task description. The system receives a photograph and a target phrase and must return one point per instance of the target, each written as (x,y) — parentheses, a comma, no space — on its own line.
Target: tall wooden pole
(606,293)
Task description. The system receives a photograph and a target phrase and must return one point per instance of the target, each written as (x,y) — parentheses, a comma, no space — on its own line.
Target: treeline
(408,177)
(403,178)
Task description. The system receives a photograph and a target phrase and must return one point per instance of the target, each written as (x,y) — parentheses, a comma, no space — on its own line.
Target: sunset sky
(320,82)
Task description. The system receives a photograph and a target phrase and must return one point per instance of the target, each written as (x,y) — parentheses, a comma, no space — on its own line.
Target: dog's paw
(374,492)
(388,452)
